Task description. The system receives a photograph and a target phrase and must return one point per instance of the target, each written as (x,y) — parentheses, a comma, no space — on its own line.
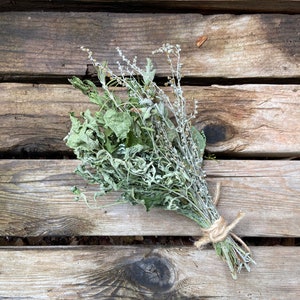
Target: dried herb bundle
(133,145)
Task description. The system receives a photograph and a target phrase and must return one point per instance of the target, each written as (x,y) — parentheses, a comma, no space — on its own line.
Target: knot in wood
(155,274)
(218,231)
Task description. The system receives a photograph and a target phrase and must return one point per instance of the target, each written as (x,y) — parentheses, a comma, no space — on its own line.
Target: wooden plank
(238,46)
(35,200)
(144,273)
(278,6)
(248,120)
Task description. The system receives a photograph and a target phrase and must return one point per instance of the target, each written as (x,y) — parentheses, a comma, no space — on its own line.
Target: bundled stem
(146,147)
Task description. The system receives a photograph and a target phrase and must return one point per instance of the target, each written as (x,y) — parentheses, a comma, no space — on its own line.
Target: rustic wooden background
(246,79)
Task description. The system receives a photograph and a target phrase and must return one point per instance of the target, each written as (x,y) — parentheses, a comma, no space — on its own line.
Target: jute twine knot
(219,231)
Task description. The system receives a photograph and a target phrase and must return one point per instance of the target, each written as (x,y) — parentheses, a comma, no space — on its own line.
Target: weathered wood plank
(35,199)
(278,6)
(248,120)
(238,46)
(144,273)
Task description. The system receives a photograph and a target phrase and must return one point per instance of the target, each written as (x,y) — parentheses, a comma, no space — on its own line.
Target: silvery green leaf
(130,152)
(149,73)
(199,139)
(118,122)
(102,73)
(79,84)
(146,113)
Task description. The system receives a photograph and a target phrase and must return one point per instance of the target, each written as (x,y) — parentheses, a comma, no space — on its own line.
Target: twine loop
(218,231)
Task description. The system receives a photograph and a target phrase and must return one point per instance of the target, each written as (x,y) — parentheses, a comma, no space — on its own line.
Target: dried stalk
(133,146)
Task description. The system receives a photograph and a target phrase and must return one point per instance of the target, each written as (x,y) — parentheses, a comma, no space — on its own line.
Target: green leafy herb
(146,147)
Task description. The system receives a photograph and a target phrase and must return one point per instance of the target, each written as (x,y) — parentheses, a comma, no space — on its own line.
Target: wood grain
(35,200)
(238,46)
(243,120)
(109,273)
(247,120)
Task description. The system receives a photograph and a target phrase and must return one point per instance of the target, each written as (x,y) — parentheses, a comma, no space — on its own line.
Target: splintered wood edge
(36,201)
(130,272)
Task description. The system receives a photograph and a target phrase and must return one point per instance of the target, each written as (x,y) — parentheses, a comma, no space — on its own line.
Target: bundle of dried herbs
(146,147)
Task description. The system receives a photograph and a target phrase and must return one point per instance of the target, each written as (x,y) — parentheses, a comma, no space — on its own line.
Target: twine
(219,231)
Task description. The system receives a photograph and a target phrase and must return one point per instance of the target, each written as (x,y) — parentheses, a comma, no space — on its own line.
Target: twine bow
(218,231)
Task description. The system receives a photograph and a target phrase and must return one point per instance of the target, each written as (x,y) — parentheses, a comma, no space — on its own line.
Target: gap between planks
(178,6)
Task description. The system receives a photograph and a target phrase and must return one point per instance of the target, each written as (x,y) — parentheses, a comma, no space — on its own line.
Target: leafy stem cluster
(145,145)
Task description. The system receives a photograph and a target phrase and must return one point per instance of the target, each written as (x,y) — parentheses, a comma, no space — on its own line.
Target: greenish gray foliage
(146,146)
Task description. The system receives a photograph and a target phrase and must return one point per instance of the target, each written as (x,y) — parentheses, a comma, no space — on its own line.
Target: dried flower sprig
(133,145)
